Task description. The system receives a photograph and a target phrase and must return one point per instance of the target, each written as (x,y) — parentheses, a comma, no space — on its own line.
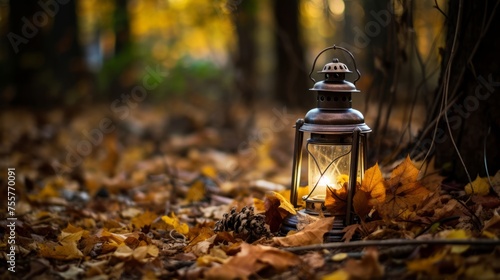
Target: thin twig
(394,242)
(436,5)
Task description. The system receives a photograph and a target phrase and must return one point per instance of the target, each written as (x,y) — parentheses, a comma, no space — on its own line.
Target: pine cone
(246,223)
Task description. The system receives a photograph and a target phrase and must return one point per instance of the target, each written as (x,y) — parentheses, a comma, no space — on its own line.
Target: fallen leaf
(65,251)
(480,186)
(202,247)
(215,255)
(493,223)
(174,222)
(404,192)
(145,253)
(196,191)
(336,197)
(209,171)
(339,274)
(313,260)
(144,219)
(456,234)
(349,232)
(311,234)
(277,208)
(72,273)
(366,268)
(361,204)
(204,234)
(373,183)
(252,259)
(427,264)
(123,252)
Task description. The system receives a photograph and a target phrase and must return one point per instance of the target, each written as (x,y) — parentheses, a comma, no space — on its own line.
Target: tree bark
(26,53)
(474,78)
(291,87)
(244,18)
(48,65)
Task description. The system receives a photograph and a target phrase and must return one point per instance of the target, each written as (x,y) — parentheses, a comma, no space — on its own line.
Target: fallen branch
(395,242)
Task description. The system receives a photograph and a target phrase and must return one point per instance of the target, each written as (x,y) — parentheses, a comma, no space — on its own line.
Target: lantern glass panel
(329,167)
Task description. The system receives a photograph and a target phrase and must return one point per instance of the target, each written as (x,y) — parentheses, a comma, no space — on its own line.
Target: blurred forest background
(236,59)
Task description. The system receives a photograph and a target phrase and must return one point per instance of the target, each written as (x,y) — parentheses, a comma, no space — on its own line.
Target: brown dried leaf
(349,232)
(335,200)
(311,234)
(366,268)
(252,259)
(277,208)
(66,251)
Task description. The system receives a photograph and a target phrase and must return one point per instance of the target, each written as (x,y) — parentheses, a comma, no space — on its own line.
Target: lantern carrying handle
(334,47)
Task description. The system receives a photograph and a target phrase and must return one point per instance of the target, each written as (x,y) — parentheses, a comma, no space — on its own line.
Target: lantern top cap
(341,67)
(335,67)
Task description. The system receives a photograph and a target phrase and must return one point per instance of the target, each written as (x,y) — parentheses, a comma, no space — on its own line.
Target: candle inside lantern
(327,165)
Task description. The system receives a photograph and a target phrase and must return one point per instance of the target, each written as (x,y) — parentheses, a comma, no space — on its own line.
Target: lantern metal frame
(333,122)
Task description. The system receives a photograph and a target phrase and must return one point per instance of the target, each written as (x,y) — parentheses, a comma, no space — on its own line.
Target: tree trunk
(244,18)
(474,78)
(47,62)
(67,60)
(291,87)
(26,53)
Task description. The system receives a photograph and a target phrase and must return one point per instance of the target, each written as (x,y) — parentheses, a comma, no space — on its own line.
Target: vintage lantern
(336,148)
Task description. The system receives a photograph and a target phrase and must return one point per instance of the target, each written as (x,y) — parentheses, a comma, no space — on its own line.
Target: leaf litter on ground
(143,204)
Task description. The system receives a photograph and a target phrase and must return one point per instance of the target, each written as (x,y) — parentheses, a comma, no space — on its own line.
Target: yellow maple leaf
(480,186)
(174,222)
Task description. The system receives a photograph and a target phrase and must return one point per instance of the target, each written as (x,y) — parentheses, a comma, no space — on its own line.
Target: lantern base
(334,235)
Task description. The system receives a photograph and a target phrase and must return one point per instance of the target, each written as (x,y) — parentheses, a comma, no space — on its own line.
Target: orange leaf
(404,192)
(373,183)
(404,173)
(335,200)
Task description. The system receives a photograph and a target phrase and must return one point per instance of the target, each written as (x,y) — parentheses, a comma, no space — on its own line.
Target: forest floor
(147,193)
